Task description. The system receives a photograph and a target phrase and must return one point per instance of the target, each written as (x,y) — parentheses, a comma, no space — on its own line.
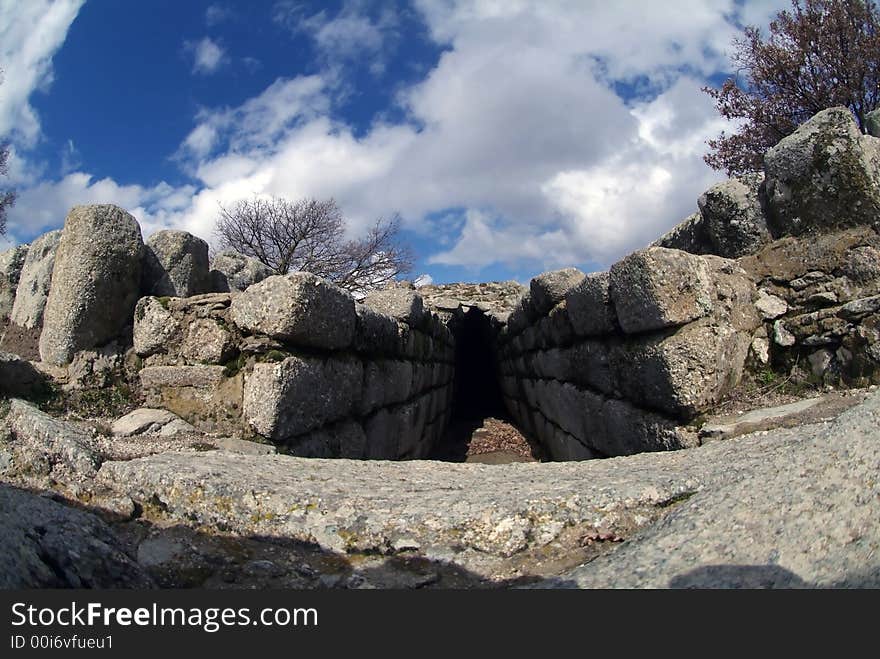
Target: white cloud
(217,13)
(352,34)
(30,34)
(259,122)
(518,142)
(518,124)
(208,56)
(45,205)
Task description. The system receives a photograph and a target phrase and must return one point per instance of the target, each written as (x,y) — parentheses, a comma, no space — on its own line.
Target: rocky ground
(788,507)
(497,442)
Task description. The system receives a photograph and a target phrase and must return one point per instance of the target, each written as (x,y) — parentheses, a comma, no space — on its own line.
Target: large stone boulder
(550,288)
(33,286)
(734,218)
(11,264)
(690,235)
(95,282)
(47,445)
(176,264)
(404,304)
(22,335)
(824,175)
(300,394)
(300,308)
(589,306)
(231,271)
(657,288)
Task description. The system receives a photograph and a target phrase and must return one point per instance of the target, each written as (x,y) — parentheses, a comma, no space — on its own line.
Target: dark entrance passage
(477,391)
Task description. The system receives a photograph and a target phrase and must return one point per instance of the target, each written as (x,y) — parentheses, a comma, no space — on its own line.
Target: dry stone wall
(615,363)
(298,362)
(806,231)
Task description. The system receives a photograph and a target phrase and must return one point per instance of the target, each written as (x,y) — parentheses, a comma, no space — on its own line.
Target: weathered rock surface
(795,508)
(799,503)
(202,395)
(95,282)
(816,298)
(658,287)
(734,219)
(690,235)
(175,264)
(36,276)
(401,303)
(300,308)
(45,544)
(44,445)
(231,271)
(824,175)
(550,288)
(798,413)
(185,331)
(300,394)
(589,306)
(11,263)
(146,420)
(495,297)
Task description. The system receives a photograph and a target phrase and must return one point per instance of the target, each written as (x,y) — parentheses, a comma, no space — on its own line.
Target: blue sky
(511,136)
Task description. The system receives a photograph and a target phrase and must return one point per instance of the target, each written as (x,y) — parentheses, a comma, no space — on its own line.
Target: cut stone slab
(690,235)
(299,308)
(589,307)
(289,398)
(401,303)
(657,287)
(550,288)
(734,219)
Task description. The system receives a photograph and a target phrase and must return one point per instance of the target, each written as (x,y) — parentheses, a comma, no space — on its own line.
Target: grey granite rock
(657,287)
(799,502)
(176,264)
(45,544)
(300,308)
(95,282)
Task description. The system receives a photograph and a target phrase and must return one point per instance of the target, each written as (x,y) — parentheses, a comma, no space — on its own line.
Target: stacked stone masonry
(615,363)
(298,362)
(807,232)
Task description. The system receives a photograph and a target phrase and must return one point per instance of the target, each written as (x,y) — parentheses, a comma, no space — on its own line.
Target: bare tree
(7,197)
(821,54)
(309,235)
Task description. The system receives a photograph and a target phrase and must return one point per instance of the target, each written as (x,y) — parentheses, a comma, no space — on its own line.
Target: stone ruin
(777,271)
